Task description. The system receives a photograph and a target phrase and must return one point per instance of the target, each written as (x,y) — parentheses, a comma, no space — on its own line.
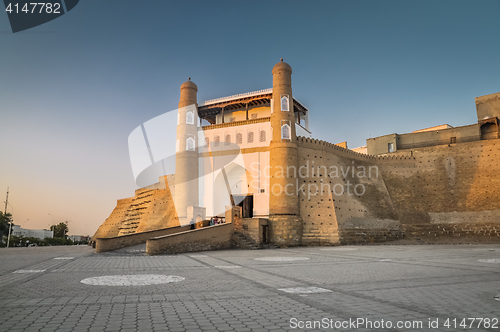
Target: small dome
(282,66)
(189,85)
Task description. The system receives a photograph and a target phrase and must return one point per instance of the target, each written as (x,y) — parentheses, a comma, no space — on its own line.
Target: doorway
(489,131)
(246,203)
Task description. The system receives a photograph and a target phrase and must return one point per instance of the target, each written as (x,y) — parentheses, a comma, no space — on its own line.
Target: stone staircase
(244,242)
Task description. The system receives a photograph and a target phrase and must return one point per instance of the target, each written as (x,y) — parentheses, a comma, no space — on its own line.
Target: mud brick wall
(151,208)
(110,227)
(457,183)
(330,208)
(446,185)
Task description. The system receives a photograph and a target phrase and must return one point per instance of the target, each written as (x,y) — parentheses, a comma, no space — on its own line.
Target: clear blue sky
(73,89)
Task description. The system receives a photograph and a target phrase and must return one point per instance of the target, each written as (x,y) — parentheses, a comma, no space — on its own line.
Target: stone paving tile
(418,283)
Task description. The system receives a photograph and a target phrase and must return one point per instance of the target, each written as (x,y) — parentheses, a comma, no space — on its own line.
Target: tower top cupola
(189,85)
(188,93)
(282,66)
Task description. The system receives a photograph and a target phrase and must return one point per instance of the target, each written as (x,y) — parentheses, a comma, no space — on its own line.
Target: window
(227,141)
(207,141)
(190,144)
(216,140)
(284,103)
(253,116)
(262,135)
(190,117)
(391,147)
(286,130)
(239,138)
(250,137)
(453,140)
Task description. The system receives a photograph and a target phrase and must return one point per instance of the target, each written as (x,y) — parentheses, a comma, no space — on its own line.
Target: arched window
(262,135)
(284,103)
(285,131)
(250,137)
(216,140)
(190,117)
(190,144)
(227,141)
(207,141)
(239,138)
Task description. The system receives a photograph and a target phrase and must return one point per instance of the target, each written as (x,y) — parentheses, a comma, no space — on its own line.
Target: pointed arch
(190,144)
(190,117)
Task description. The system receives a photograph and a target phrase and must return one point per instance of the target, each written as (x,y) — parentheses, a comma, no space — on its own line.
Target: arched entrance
(232,186)
(489,130)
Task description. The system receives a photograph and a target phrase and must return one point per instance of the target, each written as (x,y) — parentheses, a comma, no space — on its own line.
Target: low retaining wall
(118,242)
(366,236)
(478,232)
(207,238)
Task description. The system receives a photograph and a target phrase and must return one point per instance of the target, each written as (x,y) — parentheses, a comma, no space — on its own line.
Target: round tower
(186,157)
(286,224)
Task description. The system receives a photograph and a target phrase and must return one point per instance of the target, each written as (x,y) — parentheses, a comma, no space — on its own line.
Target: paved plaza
(355,288)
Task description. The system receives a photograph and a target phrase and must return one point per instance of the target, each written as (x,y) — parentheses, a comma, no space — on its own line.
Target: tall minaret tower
(186,157)
(285,222)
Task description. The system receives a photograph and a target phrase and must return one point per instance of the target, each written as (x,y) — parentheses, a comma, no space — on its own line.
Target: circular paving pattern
(490,260)
(281,259)
(131,280)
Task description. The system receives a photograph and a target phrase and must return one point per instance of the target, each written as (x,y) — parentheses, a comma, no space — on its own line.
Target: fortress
(250,158)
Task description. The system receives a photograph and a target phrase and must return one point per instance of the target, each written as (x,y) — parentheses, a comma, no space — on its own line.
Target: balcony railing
(236,123)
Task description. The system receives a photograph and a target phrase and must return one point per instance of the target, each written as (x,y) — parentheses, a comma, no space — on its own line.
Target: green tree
(5,219)
(60,230)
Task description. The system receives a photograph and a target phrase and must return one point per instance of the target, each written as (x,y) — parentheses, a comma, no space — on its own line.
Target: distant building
(37,233)
(79,238)
(361,149)
(486,128)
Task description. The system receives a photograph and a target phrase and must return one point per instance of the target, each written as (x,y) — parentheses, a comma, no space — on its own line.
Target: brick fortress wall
(151,208)
(434,194)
